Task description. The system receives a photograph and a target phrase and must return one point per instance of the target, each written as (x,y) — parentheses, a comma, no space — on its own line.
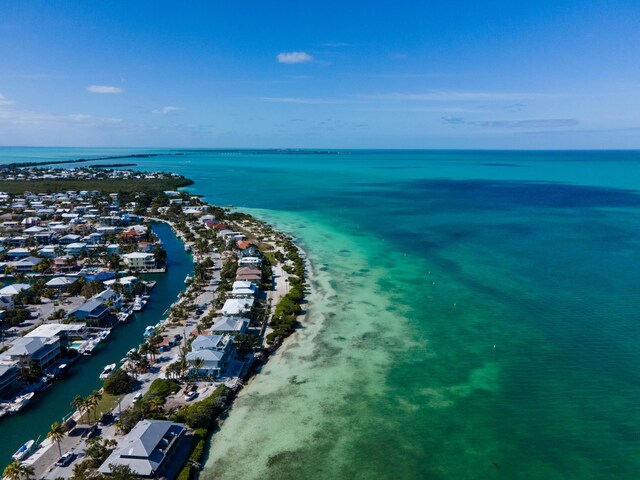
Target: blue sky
(369,74)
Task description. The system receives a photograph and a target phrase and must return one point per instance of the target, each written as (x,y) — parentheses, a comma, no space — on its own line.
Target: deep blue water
(475,313)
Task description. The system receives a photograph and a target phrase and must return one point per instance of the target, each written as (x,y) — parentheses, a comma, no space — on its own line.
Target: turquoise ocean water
(474,314)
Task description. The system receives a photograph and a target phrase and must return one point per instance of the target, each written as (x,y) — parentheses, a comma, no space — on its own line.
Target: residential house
(215,351)
(244,288)
(109,297)
(17,253)
(251,274)
(27,265)
(230,325)
(63,264)
(148,449)
(69,239)
(38,352)
(60,283)
(127,282)
(139,260)
(76,249)
(250,262)
(92,310)
(237,306)
(8,377)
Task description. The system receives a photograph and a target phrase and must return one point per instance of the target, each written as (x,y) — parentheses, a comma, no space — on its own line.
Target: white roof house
(60,282)
(237,306)
(14,289)
(50,330)
(230,324)
(146,448)
(243,288)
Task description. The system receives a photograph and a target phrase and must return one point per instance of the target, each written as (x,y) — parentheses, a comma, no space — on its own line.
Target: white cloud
(104,89)
(4,100)
(165,110)
(294,57)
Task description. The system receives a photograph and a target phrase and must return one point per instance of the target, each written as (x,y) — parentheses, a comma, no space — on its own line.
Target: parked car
(106,418)
(191,395)
(137,397)
(65,459)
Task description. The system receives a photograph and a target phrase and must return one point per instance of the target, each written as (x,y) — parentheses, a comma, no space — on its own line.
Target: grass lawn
(105,404)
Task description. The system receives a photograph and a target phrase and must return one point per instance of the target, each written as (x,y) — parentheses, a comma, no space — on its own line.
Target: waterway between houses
(82,378)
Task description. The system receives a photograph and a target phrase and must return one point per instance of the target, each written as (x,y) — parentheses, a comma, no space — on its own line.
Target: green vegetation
(161,388)
(133,185)
(150,405)
(119,382)
(202,414)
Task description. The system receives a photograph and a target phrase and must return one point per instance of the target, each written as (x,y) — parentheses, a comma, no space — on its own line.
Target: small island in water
(81,250)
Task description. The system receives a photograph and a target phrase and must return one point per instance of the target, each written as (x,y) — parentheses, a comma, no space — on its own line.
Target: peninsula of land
(77,264)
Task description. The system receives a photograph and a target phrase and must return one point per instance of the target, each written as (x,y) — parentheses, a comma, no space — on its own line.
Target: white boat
(149,330)
(139,303)
(104,334)
(20,402)
(188,279)
(107,371)
(24,451)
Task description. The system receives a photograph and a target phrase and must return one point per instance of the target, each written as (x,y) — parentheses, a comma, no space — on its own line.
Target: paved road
(45,465)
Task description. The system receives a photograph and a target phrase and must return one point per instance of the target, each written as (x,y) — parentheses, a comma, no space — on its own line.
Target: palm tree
(12,471)
(56,434)
(198,363)
(94,399)
(79,403)
(18,471)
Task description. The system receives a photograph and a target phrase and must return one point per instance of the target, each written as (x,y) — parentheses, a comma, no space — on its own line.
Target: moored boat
(107,371)
(24,451)
(139,303)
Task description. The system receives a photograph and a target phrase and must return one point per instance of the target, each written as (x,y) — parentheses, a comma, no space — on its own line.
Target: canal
(54,403)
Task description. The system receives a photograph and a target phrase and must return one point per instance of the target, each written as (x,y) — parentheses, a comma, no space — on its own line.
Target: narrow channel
(82,378)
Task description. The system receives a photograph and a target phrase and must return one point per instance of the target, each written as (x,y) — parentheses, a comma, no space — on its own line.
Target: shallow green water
(474,315)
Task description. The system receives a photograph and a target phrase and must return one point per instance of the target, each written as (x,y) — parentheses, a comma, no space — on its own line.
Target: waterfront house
(243,288)
(148,449)
(69,239)
(62,331)
(8,377)
(60,283)
(113,248)
(127,282)
(27,265)
(18,253)
(75,249)
(65,263)
(43,238)
(237,306)
(214,350)
(92,310)
(230,325)
(33,352)
(251,274)
(11,290)
(250,262)
(250,251)
(109,297)
(49,251)
(139,260)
